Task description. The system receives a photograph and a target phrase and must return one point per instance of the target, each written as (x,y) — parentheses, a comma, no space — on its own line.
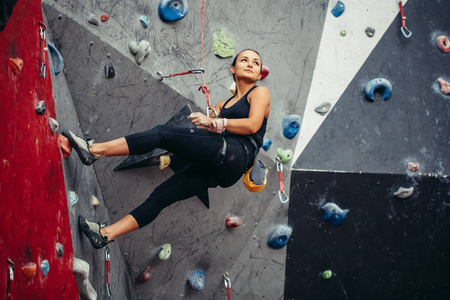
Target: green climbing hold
(327,274)
(223,44)
(165,252)
(343,32)
(284,155)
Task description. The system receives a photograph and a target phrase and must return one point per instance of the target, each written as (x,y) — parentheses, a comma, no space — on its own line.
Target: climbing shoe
(82,147)
(92,231)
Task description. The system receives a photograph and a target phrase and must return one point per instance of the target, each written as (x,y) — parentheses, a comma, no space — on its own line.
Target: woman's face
(248,66)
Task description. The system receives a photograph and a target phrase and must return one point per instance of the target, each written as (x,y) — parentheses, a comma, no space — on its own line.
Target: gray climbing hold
(92,19)
(223,44)
(145,21)
(109,70)
(45,267)
(81,272)
(140,51)
(370,31)
(73,198)
(403,193)
(323,108)
(197,280)
(40,108)
(59,250)
(54,125)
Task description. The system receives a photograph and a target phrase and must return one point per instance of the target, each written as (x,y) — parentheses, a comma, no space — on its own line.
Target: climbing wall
(363,153)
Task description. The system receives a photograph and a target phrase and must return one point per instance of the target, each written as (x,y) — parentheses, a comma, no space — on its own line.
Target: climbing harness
(108,265)
(11,267)
(41,57)
(227,282)
(406,32)
(281,194)
(203,87)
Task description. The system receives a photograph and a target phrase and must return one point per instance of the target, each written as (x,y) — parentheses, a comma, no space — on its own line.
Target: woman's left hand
(200,120)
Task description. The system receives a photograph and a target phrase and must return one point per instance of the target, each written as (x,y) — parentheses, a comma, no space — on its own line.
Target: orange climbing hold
(65,146)
(29,270)
(104,18)
(16,65)
(445,86)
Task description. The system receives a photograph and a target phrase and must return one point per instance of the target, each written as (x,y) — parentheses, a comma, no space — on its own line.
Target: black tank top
(241,110)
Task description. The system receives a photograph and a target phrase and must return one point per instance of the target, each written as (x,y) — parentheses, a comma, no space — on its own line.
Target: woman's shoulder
(259,91)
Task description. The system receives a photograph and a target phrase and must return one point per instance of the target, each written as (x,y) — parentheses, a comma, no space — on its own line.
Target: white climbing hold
(54,125)
(95,201)
(81,272)
(165,252)
(403,193)
(140,51)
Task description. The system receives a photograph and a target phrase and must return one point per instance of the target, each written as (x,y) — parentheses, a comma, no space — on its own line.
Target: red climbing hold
(145,276)
(234,221)
(16,65)
(443,43)
(104,18)
(65,146)
(265,71)
(413,167)
(445,86)
(29,270)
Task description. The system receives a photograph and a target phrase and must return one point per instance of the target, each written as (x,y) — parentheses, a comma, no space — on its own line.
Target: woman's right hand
(200,120)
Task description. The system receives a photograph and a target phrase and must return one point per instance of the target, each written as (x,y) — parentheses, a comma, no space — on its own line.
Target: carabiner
(227,282)
(108,265)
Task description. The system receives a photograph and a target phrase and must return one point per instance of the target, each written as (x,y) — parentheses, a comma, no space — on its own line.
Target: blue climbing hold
(145,21)
(197,280)
(338,9)
(266,144)
(291,126)
(279,237)
(45,267)
(58,61)
(172,10)
(379,84)
(334,213)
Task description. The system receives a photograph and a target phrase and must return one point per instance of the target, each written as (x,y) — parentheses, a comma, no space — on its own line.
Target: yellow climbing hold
(95,201)
(164,161)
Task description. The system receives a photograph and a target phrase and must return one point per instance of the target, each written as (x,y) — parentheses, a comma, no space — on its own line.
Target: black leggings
(201,148)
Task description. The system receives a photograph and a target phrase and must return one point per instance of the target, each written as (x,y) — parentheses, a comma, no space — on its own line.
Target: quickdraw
(11,267)
(42,39)
(108,266)
(227,282)
(193,71)
(406,32)
(281,194)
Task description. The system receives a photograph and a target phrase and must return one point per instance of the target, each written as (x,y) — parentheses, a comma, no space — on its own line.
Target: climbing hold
(40,108)
(29,270)
(333,213)
(266,144)
(166,251)
(291,126)
(104,17)
(65,146)
(327,274)
(413,167)
(45,267)
(145,276)
(73,197)
(233,221)
(233,87)
(223,44)
(95,201)
(109,70)
(6,163)
(279,237)
(58,61)
(443,43)
(197,280)
(172,10)
(16,65)
(378,84)
(284,155)
(265,71)
(370,31)
(140,51)
(92,19)
(323,108)
(445,86)
(403,193)
(59,250)
(54,125)
(338,9)
(343,32)
(145,21)
(80,270)
(164,161)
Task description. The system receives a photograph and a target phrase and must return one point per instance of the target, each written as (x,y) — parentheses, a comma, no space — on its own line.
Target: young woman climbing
(219,150)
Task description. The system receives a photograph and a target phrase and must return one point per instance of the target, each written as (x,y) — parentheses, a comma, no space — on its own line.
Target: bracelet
(224,122)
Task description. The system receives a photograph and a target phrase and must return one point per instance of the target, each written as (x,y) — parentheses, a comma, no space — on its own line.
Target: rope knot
(204,89)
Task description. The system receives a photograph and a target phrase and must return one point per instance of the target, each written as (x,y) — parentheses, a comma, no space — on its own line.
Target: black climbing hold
(40,108)
(370,31)
(109,70)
